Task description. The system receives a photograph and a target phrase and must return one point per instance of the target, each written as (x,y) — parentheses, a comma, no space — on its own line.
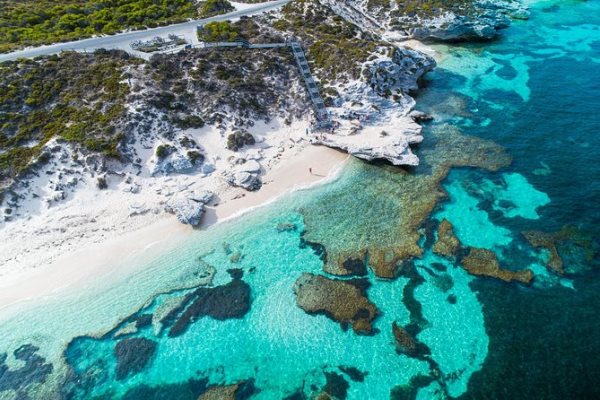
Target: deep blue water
(543,344)
(533,91)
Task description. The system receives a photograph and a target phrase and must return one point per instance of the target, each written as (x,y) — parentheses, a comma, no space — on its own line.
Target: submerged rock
(575,245)
(344,301)
(236,391)
(133,355)
(395,202)
(189,207)
(231,300)
(447,243)
(405,343)
(483,262)
(547,241)
(33,370)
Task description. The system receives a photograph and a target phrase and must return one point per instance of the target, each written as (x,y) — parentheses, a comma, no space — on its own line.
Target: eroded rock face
(342,301)
(483,262)
(447,244)
(402,72)
(189,207)
(133,355)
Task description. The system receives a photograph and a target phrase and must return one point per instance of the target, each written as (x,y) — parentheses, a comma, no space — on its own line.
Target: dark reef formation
(231,300)
(133,355)
(344,301)
(35,369)
(483,262)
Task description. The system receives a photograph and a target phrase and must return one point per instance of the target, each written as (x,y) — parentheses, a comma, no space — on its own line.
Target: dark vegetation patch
(353,373)
(239,139)
(328,39)
(211,8)
(35,22)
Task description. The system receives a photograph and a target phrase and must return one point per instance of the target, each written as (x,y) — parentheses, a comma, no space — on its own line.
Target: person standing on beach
(310,170)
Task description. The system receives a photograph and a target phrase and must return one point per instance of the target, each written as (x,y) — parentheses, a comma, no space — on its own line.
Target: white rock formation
(188,207)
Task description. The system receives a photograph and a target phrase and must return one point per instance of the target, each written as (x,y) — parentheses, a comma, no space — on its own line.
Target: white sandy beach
(56,264)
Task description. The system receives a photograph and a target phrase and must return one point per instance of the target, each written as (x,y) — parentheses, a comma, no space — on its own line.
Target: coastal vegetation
(329,37)
(30,23)
(215,7)
(78,98)
(219,31)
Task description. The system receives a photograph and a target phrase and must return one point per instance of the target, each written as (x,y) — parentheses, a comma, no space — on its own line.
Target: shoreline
(75,270)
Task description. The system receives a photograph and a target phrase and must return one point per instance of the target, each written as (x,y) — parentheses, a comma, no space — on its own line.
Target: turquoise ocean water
(534,92)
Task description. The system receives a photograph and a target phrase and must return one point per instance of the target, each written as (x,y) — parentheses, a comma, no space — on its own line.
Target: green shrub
(223,31)
(215,7)
(29,22)
(239,139)
(163,150)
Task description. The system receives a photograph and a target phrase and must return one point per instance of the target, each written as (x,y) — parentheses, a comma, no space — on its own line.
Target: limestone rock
(189,207)
(246,175)
(344,301)
(483,262)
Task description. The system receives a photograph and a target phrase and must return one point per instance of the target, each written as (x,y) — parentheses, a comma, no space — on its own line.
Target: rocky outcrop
(447,243)
(402,72)
(483,262)
(246,175)
(189,207)
(344,301)
(377,144)
(405,343)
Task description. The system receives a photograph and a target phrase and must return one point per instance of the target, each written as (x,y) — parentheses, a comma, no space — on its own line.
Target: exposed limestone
(483,262)
(133,355)
(447,243)
(189,207)
(395,202)
(342,301)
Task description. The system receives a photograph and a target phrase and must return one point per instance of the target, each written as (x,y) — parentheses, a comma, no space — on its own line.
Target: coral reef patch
(484,262)
(344,301)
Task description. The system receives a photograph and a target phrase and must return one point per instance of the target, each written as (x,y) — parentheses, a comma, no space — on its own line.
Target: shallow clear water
(534,92)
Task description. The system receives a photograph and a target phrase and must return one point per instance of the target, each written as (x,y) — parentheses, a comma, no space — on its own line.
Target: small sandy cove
(87,261)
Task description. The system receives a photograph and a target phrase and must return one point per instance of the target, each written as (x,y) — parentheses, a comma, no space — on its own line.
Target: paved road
(122,40)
